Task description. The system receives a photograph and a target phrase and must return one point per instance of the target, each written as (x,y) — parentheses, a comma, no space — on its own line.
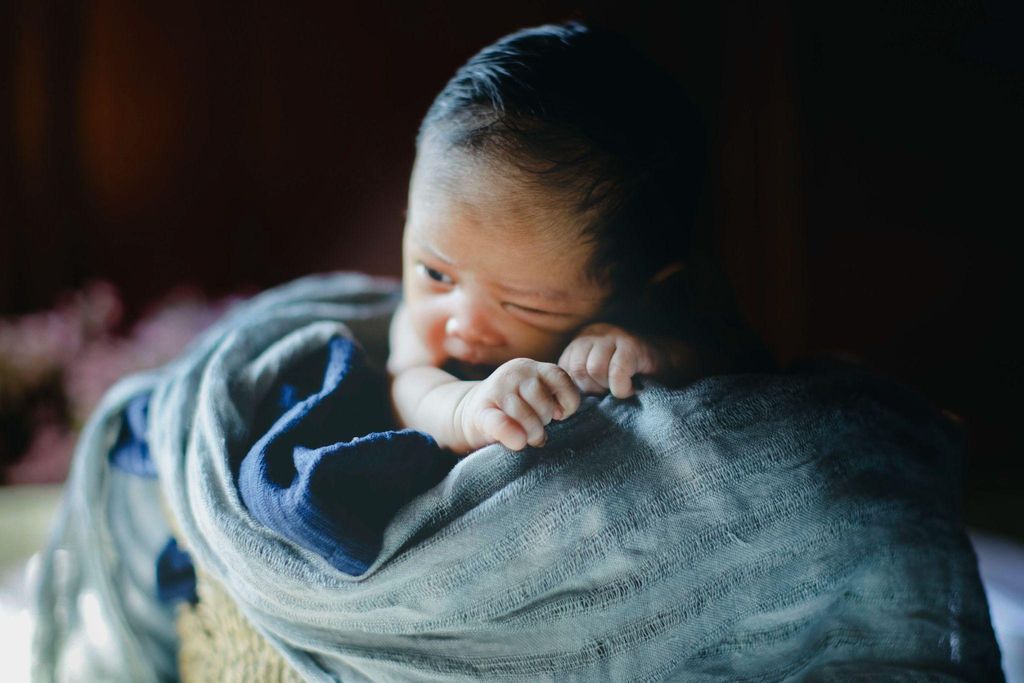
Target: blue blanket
(329,473)
(769,527)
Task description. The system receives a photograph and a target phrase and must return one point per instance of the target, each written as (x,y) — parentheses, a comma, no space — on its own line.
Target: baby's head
(556,177)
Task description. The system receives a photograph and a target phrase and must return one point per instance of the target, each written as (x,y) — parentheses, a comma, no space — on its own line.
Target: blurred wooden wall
(158,142)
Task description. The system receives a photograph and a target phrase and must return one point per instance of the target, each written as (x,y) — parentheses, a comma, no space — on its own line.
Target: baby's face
(491,273)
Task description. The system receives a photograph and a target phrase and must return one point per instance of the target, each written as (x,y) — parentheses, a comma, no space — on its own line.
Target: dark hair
(584,112)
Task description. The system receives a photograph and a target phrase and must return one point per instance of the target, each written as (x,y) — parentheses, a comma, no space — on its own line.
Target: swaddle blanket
(790,526)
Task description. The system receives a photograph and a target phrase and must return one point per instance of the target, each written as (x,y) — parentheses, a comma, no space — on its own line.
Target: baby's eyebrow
(435,252)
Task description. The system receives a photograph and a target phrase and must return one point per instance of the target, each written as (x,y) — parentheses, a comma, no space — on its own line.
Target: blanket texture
(765,527)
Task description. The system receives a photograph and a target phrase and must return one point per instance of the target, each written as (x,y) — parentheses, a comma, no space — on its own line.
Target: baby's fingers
(623,365)
(599,359)
(537,395)
(498,426)
(574,362)
(519,410)
(565,391)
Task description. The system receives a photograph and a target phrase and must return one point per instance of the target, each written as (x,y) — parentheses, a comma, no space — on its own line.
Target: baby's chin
(467,371)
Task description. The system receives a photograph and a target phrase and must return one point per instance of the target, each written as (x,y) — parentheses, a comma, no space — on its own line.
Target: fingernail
(558,413)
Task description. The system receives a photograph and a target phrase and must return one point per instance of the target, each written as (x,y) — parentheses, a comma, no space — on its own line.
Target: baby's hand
(604,357)
(513,405)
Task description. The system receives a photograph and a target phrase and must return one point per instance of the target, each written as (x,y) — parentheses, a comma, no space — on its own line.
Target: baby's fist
(514,404)
(605,357)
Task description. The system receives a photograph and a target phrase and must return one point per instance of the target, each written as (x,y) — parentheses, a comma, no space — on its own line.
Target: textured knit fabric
(762,527)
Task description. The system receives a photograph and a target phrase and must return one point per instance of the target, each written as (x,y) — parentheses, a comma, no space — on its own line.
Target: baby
(549,215)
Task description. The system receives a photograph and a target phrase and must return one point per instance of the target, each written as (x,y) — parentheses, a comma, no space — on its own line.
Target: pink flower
(56,365)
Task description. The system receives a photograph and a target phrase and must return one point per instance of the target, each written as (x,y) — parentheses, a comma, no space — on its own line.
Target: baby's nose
(470,329)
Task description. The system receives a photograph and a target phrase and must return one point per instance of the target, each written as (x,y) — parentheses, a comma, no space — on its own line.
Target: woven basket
(219,644)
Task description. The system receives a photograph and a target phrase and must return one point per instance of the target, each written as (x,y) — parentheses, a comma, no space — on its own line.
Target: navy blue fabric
(131,450)
(329,472)
(175,575)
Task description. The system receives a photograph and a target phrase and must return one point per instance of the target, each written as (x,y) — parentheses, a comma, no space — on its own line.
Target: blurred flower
(47,457)
(55,366)
(34,346)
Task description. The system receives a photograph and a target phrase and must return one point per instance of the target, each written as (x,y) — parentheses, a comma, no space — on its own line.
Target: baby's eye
(435,275)
(533,311)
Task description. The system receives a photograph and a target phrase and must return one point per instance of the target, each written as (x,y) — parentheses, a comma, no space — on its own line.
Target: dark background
(866,181)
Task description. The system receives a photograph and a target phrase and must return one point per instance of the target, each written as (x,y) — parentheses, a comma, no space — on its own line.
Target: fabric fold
(336,499)
(772,527)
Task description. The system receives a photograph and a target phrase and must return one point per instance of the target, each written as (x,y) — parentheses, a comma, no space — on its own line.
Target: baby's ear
(668,272)
(665,273)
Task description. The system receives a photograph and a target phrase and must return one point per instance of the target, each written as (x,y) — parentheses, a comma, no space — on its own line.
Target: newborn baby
(553,191)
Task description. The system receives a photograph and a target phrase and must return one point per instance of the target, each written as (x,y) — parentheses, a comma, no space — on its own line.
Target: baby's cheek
(430,329)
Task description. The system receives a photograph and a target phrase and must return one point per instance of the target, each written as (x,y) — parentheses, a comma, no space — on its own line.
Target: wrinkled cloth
(330,473)
(770,527)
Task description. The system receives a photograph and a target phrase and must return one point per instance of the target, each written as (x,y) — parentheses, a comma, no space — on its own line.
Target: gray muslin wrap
(793,526)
